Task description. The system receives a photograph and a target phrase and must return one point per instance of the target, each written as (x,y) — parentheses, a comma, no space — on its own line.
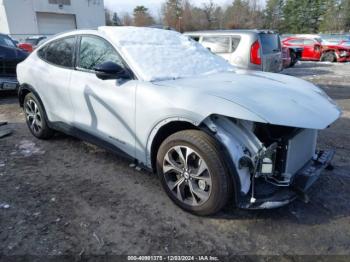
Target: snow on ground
(157,54)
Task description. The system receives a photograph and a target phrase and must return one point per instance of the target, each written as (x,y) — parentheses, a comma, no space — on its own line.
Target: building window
(59,2)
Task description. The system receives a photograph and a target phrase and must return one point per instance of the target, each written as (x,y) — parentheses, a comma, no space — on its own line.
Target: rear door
(271,52)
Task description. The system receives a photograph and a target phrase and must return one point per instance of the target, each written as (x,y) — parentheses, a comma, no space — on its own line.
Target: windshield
(6,41)
(270,43)
(157,54)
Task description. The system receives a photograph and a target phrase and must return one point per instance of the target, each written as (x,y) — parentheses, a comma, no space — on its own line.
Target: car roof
(228,32)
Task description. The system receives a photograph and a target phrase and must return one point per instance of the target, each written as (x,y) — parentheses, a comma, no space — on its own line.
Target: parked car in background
(10,56)
(291,55)
(35,41)
(345,43)
(26,47)
(335,52)
(315,49)
(287,60)
(246,49)
(213,133)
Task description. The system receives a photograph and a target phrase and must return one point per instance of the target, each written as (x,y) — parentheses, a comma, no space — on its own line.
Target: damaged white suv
(212,133)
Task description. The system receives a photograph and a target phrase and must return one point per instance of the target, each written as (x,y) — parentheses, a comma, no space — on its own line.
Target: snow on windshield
(162,54)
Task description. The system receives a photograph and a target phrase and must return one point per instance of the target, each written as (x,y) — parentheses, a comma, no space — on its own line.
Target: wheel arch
(25,89)
(171,126)
(163,130)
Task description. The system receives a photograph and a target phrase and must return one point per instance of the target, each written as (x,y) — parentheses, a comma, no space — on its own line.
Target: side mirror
(111,70)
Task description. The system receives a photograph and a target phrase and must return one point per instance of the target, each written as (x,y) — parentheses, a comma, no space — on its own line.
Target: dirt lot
(68,197)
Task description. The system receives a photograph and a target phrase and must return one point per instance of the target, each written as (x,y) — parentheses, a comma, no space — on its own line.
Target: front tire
(36,117)
(192,172)
(329,57)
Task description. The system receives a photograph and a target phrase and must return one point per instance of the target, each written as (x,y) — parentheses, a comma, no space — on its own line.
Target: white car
(246,49)
(212,133)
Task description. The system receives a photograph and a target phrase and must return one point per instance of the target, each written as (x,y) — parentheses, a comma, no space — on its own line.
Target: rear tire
(36,117)
(329,57)
(192,172)
(293,57)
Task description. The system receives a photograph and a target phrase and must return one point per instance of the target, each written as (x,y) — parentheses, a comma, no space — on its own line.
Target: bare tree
(126,19)
(108,15)
(172,13)
(209,12)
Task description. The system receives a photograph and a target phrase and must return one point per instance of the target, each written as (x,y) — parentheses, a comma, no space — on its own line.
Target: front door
(103,108)
(312,50)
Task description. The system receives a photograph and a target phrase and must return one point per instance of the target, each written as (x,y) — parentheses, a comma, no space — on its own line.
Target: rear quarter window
(235,42)
(59,52)
(271,43)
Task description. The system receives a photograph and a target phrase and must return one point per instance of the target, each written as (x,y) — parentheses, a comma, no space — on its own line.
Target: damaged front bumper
(270,196)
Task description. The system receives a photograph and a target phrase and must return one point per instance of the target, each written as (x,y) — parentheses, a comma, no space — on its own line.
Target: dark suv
(10,56)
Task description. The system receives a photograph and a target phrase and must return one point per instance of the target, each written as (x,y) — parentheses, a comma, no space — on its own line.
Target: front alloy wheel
(192,171)
(187,175)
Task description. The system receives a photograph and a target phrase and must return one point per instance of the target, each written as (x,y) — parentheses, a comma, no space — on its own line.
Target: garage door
(50,23)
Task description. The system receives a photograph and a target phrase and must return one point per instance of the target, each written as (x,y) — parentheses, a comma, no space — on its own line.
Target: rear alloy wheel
(35,117)
(329,57)
(192,172)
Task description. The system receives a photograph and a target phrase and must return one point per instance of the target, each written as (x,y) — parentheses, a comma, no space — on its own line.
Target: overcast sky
(121,6)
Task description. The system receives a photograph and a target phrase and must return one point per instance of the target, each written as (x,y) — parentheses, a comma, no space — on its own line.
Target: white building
(21,18)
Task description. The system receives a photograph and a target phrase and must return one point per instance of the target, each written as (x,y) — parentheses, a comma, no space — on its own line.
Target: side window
(296,42)
(309,42)
(217,44)
(235,42)
(95,51)
(59,52)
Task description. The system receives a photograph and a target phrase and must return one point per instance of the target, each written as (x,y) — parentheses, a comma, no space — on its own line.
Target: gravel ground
(68,197)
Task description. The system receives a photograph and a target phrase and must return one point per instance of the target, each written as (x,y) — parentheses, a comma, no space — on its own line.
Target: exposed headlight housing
(343,53)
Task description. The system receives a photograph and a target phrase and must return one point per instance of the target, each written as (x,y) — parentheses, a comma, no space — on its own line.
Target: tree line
(285,16)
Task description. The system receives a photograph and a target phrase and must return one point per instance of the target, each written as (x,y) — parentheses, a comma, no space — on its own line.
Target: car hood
(275,98)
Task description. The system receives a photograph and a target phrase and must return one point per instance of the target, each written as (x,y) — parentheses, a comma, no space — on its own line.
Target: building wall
(21,14)
(4,28)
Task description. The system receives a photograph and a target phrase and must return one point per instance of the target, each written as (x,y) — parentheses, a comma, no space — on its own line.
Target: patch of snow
(4,206)
(157,54)
(28,148)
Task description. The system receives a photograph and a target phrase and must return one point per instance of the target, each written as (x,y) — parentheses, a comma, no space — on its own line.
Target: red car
(314,49)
